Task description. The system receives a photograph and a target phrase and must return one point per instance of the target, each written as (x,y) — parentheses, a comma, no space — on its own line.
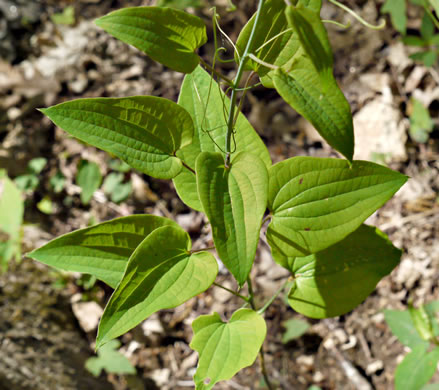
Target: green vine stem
(275,295)
(235,86)
(246,299)
(358,17)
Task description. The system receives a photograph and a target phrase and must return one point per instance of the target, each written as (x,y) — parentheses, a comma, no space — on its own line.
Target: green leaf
(111,182)
(314,41)
(66,17)
(334,281)
(401,325)
(427,27)
(316,202)
(294,329)
(274,41)
(416,369)
(28,182)
(144,131)
(180,4)
(327,110)
(234,200)
(435,5)
(36,165)
(428,58)
(421,124)
(89,178)
(226,348)
(11,219)
(162,273)
(433,386)
(101,250)
(116,188)
(422,322)
(397,11)
(110,360)
(57,182)
(45,205)
(167,35)
(412,40)
(202,97)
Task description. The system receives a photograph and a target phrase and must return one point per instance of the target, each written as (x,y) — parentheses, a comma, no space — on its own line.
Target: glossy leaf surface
(226,348)
(102,250)
(334,281)
(417,368)
(201,96)
(144,131)
(161,274)
(316,202)
(167,35)
(234,200)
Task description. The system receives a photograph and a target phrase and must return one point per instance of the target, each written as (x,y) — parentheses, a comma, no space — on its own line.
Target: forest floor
(44,63)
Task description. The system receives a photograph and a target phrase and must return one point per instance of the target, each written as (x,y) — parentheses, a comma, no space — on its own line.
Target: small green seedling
(89,178)
(418,329)
(110,360)
(11,220)
(315,208)
(428,38)
(66,17)
(30,181)
(421,124)
(116,187)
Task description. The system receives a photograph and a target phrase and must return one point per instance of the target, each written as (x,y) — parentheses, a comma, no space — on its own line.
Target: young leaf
(326,108)
(334,281)
(11,219)
(144,131)
(202,97)
(102,250)
(36,165)
(427,27)
(314,41)
(110,360)
(226,348)
(162,273)
(167,35)
(422,322)
(421,124)
(397,11)
(401,325)
(316,202)
(234,200)
(417,368)
(294,329)
(89,178)
(428,58)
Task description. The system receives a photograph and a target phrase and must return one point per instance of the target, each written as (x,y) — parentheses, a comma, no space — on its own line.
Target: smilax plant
(220,166)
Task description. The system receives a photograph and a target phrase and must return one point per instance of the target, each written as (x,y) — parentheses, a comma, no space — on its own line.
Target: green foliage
(294,328)
(167,35)
(110,360)
(30,181)
(89,178)
(11,219)
(181,4)
(67,16)
(421,124)
(397,11)
(220,166)
(57,182)
(226,348)
(419,330)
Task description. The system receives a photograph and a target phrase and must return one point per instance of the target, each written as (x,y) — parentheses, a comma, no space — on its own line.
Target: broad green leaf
(316,202)
(313,38)
(167,35)
(401,325)
(225,348)
(417,368)
(397,11)
(422,322)
(294,329)
(234,199)
(334,281)
(110,360)
(11,219)
(274,41)
(144,131)
(421,124)
(162,273)
(201,96)
(102,250)
(89,178)
(326,108)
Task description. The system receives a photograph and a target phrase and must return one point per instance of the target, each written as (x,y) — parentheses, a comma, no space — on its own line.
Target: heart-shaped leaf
(234,199)
(316,202)
(102,250)
(417,368)
(167,35)
(202,97)
(226,348)
(144,131)
(162,273)
(334,281)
